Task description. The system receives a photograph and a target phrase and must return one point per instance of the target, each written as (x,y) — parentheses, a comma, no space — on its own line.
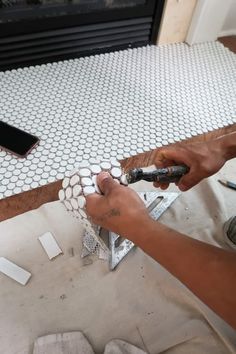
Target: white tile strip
(113,105)
(50,245)
(14,271)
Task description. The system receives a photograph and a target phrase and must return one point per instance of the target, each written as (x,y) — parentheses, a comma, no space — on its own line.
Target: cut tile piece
(105,166)
(89,190)
(116,172)
(74,204)
(65,182)
(115,163)
(83,164)
(84,172)
(81,201)
(97,189)
(77,190)
(14,271)
(50,245)
(86,181)
(67,205)
(74,180)
(61,195)
(96,169)
(82,213)
(68,192)
(123,180)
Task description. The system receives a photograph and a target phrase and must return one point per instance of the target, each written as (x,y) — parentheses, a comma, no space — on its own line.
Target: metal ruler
(156,203)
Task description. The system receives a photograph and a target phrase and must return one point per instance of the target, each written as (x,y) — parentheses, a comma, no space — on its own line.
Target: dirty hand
(119,209)
(203,160)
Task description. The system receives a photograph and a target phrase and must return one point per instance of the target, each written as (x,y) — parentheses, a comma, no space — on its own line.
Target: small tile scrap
(50,245)
(13,271)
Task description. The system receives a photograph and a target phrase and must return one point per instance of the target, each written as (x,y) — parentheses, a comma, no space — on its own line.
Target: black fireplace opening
(41,31)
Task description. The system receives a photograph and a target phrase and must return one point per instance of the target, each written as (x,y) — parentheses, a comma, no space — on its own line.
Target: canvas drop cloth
(139,302)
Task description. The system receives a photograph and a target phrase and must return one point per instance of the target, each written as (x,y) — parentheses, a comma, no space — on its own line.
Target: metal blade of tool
(156,203)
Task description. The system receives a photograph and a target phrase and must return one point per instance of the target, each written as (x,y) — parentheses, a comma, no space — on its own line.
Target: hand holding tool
(163,175)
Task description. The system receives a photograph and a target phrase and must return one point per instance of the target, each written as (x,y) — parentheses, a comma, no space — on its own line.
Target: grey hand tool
(163,175)
(156,203)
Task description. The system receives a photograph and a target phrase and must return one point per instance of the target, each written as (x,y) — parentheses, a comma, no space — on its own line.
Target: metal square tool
(156,203)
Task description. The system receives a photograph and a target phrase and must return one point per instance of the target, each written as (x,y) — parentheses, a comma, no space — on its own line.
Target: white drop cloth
(139,302)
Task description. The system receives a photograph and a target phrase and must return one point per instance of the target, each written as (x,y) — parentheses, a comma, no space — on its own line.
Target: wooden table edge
(33,199)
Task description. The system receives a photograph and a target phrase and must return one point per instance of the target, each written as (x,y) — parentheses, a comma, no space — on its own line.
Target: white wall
(197,21)
(229,26)
(208,20)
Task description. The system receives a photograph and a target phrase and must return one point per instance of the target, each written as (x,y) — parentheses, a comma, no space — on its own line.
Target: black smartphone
(16,141)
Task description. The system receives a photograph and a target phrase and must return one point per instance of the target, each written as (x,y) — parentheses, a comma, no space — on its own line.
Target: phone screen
(15,140)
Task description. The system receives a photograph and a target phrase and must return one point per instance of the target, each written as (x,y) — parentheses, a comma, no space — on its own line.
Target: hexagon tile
(113,105)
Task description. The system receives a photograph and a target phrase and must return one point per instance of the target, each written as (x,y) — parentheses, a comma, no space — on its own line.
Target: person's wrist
(140,229)
(228,146)
(218,148)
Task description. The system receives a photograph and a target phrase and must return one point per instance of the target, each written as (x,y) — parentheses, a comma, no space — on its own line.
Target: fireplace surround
(40,31)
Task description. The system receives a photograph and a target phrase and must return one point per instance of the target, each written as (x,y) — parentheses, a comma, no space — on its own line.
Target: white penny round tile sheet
(75,201)
(113,105)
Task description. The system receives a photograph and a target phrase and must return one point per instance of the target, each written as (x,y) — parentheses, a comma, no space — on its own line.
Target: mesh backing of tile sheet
(113,105)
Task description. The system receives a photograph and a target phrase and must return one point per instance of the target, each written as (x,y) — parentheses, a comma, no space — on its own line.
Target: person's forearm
(226,145)
(209,272)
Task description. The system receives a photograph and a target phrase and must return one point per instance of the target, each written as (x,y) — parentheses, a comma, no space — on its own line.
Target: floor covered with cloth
(139,302)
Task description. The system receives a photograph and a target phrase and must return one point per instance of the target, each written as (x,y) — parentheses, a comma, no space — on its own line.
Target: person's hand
(203,160)
(119,209)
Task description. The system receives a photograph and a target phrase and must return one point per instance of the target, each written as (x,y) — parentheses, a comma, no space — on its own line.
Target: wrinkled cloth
(230,232)
(140,302)
(63,343)
(76,343)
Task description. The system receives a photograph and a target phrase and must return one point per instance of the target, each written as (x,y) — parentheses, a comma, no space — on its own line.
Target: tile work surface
(113,105)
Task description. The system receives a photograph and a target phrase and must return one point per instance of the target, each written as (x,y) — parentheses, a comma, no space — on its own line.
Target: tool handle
(163,175)
(171,174)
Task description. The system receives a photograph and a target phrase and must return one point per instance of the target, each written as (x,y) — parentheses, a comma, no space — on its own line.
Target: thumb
(188,181)
(105,182)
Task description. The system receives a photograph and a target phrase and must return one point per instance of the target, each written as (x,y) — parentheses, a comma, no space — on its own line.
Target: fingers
(106,183)
(188,181)
(163,186)
(161,162)
(185,183)
(170,156)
